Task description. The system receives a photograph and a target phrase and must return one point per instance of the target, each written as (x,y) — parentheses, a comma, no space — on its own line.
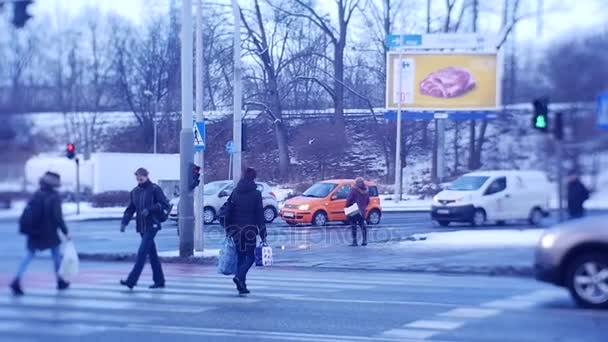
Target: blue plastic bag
(227,261)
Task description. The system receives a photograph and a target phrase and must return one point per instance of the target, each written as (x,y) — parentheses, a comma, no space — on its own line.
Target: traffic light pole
(186,205)
(77,186)
(199,199)
(560,179)
(237,102)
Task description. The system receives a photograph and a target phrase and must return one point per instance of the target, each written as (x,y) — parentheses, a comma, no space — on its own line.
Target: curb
(130,257)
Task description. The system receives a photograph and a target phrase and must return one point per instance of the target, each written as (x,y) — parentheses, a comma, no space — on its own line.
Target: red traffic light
(71,148)
(70,151)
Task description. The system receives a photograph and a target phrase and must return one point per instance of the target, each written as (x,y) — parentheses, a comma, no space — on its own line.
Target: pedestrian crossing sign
(199,136)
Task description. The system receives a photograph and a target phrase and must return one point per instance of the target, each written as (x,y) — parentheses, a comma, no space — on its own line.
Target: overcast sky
(571,19)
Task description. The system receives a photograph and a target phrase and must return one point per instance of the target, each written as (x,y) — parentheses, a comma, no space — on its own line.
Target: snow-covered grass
(408,203)
(87,212)
(472,239)
(207,253)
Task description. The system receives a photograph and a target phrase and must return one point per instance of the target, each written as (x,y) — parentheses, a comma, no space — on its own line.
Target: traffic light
(195,176)
(540,121)
(20,14)
(558,126)
(70,151)
(243,137)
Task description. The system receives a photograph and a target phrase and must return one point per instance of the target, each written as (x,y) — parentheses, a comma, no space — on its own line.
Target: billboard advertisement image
(443,81)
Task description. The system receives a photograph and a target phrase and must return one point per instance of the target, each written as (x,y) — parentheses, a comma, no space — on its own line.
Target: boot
(62,284)
(354,234)
(364,230)
(16,288)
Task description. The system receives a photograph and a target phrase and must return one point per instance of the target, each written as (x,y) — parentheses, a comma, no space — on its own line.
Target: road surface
(292,305)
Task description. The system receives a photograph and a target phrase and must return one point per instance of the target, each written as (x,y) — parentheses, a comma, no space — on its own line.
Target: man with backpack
(41,219)
(152,208)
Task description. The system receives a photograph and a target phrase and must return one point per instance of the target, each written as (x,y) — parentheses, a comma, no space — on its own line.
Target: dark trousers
(245,261)
(147,248)
(355,221)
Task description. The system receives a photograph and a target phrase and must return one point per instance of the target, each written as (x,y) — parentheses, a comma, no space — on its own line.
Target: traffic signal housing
(558,126)
(195,176)
(540,120)
(20,13)
(70,151)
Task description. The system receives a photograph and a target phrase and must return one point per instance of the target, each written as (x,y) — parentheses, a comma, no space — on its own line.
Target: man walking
(359,194)
(152,208)
(577,195)
(40,221)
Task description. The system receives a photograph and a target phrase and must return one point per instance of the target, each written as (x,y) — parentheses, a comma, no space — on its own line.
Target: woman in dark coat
(44,234)
(247,222)
(359,194)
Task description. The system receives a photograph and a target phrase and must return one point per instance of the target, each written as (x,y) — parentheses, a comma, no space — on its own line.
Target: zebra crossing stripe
(51,328)
(275,284)
(52,314)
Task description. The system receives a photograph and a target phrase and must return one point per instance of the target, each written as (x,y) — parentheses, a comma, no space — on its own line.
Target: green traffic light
(541,122)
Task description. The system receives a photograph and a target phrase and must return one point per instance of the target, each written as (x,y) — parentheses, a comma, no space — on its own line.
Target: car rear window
(373,191)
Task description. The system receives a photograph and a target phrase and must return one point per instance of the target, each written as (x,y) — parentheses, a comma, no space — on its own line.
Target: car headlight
(548,240)
(304,207)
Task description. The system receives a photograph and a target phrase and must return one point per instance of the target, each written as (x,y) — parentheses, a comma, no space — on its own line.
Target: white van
(494,196)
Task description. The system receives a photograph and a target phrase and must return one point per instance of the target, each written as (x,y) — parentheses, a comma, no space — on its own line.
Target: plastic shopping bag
(227,261)
(263,255)
(70,262)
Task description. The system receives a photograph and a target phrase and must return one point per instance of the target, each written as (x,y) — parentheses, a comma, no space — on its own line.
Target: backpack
(165,207)
(32,217)
(226,213)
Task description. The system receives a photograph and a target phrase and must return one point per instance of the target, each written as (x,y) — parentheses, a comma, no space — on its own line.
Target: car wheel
(479,218)
(319,219)
(536,217)
(269,214)
(208,215)
(374,217)
(587,280)
(444,223)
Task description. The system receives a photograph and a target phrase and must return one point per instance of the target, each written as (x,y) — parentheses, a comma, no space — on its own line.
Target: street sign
(602,111)
(440,41)
(427,115)
(199,135)
(230,147)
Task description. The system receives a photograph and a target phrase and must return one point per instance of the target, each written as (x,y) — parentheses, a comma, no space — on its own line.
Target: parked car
(574,255)
(494,196)
(325,201)
(216,194)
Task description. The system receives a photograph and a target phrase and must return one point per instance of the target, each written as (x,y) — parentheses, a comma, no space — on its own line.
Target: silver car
(574,255)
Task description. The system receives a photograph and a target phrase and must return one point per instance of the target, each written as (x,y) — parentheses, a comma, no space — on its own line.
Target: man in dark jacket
(359,194)
(150,204)
(577,195)
(46,205)
(246,222)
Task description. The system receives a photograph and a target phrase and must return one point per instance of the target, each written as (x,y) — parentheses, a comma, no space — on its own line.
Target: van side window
(373,191)
(343,192)
(497,186)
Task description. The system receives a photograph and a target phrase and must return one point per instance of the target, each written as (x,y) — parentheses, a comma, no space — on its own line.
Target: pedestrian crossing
(98,307)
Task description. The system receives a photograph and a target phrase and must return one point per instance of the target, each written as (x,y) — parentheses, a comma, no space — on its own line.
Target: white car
(216,194)
(494,196)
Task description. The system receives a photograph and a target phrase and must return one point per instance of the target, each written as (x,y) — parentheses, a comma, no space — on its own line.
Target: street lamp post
(237,102)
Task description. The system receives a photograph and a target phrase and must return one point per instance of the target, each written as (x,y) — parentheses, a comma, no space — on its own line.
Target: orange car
(325,201)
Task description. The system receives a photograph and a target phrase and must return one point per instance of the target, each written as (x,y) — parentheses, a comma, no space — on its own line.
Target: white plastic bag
(69,263)
(352,210)
(263,255)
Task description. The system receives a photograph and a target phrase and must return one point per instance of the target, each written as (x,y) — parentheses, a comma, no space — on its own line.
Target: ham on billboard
(443,81)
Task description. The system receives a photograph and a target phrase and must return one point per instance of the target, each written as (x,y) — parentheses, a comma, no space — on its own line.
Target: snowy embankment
(87,212)
(475,239)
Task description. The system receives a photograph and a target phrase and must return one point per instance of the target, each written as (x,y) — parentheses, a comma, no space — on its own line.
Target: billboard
(443,81)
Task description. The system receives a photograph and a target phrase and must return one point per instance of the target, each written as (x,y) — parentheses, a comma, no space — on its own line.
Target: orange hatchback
(325,201)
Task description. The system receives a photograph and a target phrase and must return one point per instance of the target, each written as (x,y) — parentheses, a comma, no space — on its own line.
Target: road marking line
(51,328)
(67,302)
(508,304)
(275,284)
(436,325)
(410,333)
(470,313)
(54,315)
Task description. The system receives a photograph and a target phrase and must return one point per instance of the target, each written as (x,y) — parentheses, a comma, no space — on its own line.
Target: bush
(110,199)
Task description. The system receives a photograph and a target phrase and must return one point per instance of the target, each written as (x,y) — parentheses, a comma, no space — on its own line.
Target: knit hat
(51,179)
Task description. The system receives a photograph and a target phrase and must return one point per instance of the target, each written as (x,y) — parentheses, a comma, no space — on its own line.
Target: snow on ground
(472,239)
(87,212)
(197,254)
(407,204)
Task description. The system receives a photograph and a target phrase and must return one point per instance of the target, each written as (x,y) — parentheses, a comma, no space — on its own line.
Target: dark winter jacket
(577,195)
(52,220)
(247,216)
(147,201)
(359,195)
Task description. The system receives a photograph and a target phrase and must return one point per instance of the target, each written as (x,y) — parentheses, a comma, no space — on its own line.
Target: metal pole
(560,180)
(186,205)
(155,137)
(237,104)
(441,149)
(398,178)
(77,186)
(199,199)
